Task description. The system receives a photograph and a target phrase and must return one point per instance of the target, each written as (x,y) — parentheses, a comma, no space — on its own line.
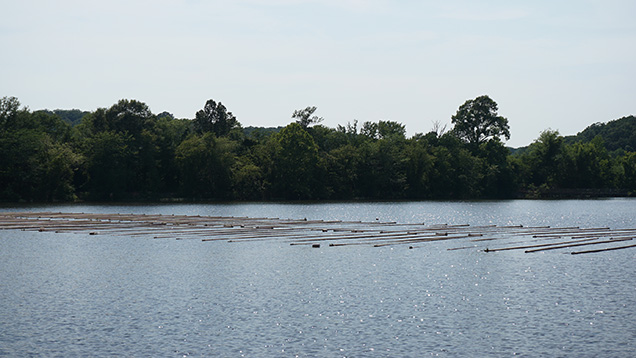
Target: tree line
(125,152)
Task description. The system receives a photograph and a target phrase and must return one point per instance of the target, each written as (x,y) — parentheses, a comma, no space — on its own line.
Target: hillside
(617,134)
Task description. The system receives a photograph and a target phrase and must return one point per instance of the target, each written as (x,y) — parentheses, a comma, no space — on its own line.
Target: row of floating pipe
(314,232)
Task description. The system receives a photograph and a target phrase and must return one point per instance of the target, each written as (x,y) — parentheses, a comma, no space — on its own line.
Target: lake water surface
(78,295)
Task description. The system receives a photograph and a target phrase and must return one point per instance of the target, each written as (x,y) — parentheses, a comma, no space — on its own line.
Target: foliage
(214,118)
(205,162)
(72,116)
(543,162)
(627,165)
(476,121)
(37,162)
(305,117)
(619,134)
(9,109)
(125,152)
(383,130)
(296,169)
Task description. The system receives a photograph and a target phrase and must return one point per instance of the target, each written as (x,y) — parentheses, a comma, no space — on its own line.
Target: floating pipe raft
(313,233)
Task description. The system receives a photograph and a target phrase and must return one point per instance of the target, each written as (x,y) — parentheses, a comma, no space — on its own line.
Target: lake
(66,294)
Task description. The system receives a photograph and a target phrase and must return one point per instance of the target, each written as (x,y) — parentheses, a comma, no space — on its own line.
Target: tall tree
(342,170)
(129,116)
(22,164)
(36,159)
(587,165)
(305,117)
(544,160)
(477,121)
(168,134)
(110,167)
(120,140)
(215,118)
(9,107)
(419,167)
(296,164)
(125,117)
(497,177)
(381,170)
(205,163)
(628,162)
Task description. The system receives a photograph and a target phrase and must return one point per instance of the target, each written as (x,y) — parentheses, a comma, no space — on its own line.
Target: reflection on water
(80,295)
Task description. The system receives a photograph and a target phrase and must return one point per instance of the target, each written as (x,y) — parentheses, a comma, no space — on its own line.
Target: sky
(549,64)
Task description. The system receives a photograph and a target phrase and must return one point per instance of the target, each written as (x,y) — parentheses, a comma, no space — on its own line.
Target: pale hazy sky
(548,64)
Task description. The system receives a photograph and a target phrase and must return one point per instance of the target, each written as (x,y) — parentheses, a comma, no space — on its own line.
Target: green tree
(628,163)
(305,117)
(215,118)
(130,127)
(168,133)
(477,121)
(36,158)
(296,169)
(391,129)
(546,159)
(619,134)
(369,130)
(206,166)
(125,117)
(71,116)
(497,176)
(51,124)
(342,166)
(59,172)
(419,167)
(381,170)
(383,130)
(9,109)
(129,116)
(23,164)
(455,173)
(248,179)
(587,165)
(263,155)
(109,167)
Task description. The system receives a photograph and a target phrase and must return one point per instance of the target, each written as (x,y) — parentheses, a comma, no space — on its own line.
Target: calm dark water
(78,295)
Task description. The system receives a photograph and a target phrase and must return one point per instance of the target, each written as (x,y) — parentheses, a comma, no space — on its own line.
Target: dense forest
(126,153)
